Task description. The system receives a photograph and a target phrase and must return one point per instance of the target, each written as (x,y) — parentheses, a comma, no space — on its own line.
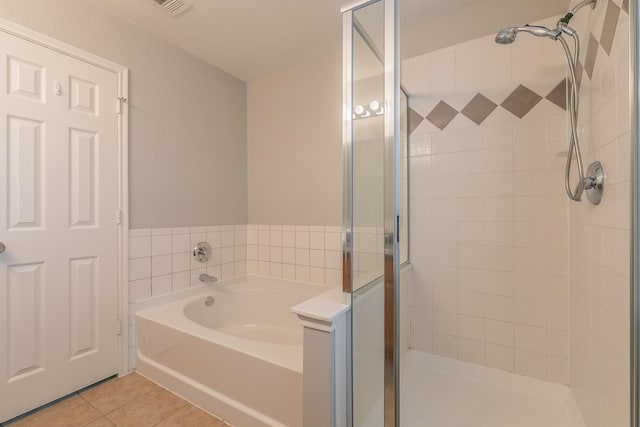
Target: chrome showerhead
(509,35)
(506,36)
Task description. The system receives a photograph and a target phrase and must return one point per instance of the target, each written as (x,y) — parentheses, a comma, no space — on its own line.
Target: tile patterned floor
(131,400)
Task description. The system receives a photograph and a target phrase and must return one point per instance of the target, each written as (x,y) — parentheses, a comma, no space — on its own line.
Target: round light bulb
(359,109)
(374,105)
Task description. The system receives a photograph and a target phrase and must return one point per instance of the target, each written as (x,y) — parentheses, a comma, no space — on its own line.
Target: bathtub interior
(245,311)
(239,358)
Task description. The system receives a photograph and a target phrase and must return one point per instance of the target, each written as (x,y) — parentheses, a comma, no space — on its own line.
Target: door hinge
(119,101)
(118,216)
(118,327)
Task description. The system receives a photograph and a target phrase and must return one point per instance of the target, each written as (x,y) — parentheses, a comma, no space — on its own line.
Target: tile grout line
(186,403)
(97,410)
(100,417)
(175,411)
(100,414)
(36,411)
(106,415)
(125,404)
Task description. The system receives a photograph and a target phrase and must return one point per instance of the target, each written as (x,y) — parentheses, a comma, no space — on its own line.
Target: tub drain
(208,301)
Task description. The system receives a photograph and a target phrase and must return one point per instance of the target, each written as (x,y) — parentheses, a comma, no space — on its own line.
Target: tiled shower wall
(489,233)
(600,235)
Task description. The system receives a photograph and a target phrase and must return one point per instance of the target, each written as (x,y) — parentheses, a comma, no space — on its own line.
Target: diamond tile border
(415,119)
(479,108)
(559,94)
(518,103)
(609,27)
(442,114)
(590,59)
(523,99)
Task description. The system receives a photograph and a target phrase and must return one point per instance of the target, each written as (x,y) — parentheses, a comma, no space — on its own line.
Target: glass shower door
(372,206)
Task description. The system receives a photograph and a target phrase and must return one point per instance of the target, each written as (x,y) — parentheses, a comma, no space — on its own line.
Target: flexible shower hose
(574,144)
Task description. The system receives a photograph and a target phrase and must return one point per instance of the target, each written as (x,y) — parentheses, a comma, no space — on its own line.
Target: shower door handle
(2,247)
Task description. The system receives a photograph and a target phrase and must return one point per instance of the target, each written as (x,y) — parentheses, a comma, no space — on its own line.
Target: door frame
(122,73)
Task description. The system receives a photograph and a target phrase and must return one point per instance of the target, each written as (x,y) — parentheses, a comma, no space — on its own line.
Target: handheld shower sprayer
(593,184)
(509,35)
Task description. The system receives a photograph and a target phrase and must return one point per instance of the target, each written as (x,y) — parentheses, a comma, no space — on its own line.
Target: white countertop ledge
(322,311)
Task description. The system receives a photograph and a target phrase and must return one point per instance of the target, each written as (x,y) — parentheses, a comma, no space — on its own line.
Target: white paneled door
(58,200)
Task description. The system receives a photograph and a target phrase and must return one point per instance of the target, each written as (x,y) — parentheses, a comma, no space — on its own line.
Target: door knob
(2,247)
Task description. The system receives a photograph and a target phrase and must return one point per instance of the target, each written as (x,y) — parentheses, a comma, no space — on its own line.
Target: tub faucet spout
(205,278)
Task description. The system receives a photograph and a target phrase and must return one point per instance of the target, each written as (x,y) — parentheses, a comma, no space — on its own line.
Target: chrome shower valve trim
(202,252)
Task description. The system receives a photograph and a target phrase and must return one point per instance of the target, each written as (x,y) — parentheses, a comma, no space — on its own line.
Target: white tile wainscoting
(161,261)
(305,253)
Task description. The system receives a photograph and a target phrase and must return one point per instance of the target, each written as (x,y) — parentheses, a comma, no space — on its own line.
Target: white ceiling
(253,38)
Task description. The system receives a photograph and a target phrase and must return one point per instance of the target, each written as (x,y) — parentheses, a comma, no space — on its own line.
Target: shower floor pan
(441,392)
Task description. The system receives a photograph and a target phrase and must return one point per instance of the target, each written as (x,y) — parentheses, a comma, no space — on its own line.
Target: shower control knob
(594,183)
(202,252)
(2,247)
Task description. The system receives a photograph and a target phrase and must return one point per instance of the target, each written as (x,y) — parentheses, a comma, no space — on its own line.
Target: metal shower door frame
(634,85)
(392,178)
(391,215)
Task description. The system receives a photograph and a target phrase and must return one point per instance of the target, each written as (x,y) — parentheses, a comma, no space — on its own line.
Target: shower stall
(491,276)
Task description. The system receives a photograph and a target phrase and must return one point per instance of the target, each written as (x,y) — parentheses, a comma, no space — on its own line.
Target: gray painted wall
(187,130)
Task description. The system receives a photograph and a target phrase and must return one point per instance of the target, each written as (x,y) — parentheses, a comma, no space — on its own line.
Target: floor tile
(101,422)
(71,412)
(112,394)
(190,416)
(147,410)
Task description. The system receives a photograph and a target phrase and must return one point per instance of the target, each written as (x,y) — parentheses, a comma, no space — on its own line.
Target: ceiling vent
(174,7)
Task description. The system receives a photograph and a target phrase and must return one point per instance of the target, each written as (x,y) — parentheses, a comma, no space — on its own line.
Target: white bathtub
(240,358)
